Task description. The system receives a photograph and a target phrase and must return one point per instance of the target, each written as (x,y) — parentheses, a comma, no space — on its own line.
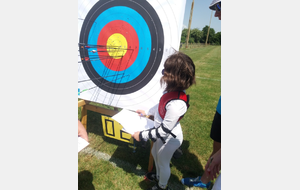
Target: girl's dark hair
(179,72)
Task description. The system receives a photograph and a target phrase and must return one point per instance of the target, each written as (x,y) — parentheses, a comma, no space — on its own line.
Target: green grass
(111,164)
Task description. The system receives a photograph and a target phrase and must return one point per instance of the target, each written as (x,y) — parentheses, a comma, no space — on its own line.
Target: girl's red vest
(167,97)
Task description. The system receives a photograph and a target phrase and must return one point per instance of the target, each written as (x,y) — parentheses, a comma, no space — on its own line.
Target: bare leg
(205,177)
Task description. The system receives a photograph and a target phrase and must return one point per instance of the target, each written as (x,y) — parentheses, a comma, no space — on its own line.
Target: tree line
(199,36)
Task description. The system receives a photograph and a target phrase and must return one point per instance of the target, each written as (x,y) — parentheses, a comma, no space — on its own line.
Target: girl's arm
(174,110)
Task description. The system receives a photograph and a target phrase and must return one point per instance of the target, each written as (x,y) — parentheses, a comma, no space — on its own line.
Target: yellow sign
(113,129)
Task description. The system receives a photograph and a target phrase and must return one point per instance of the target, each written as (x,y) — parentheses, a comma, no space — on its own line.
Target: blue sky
(201,15)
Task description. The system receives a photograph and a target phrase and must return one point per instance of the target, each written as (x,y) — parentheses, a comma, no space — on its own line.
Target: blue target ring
(138,23)
(146,23)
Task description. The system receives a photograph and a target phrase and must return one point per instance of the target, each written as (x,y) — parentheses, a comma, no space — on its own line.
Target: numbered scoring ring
(128,38)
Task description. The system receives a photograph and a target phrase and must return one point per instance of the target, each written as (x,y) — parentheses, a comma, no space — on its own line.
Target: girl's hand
(136,136)
(141,113)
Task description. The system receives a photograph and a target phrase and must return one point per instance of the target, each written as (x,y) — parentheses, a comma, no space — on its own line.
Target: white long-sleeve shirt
(174,110)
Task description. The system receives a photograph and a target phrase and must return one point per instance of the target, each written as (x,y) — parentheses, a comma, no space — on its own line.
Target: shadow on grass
(94,123)
(85,179)
(135,161)
(187,164)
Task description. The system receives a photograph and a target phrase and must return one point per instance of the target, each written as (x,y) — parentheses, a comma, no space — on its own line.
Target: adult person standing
(215,133)
(213,168)
(82,132)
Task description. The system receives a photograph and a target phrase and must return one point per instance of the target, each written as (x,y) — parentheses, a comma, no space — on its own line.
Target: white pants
(217,185)
(162,154)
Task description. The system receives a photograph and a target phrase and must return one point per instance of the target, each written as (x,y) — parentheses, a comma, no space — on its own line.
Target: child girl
(178,75)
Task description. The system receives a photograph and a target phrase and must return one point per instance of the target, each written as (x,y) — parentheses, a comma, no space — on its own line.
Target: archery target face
(122,48)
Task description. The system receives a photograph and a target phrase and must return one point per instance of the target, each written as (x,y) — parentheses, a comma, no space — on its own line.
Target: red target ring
(128,32)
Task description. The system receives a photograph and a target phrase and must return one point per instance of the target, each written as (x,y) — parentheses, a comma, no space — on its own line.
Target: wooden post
(190,21)
(82,104)
(84,116)
(208,29)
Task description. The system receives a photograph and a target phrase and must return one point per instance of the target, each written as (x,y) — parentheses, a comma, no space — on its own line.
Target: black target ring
(157,44)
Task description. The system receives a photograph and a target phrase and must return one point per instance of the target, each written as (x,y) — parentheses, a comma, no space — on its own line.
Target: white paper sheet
(132,122)
(82,144)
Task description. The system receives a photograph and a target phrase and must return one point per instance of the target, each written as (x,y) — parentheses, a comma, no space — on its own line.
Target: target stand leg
(150,165)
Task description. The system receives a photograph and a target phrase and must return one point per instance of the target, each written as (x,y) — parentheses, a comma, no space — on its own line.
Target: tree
(217,38)
(183,35)
(210,35)
(196,35)
(191,40)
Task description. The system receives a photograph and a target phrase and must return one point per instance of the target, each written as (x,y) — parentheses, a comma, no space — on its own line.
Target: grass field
(110,164)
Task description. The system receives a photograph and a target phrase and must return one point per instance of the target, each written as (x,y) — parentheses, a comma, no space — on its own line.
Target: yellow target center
(116,46)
